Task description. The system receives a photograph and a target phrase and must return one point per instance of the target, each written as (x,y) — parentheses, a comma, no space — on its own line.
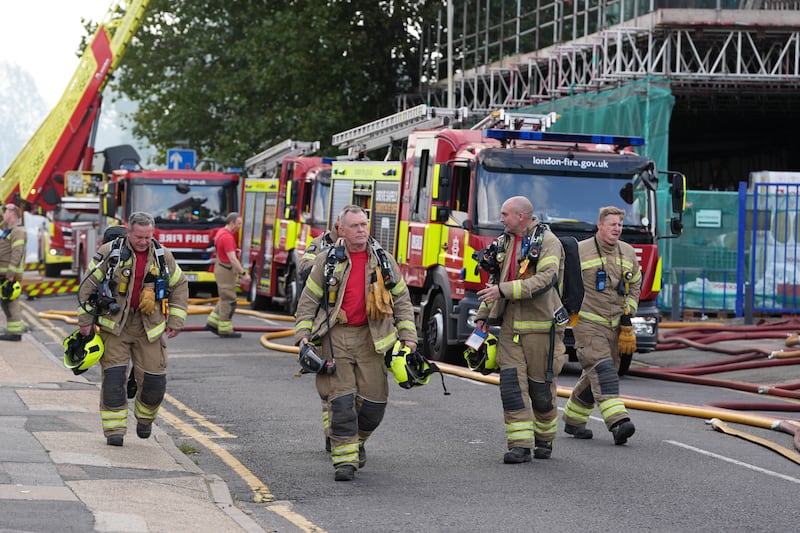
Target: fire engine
(285,205)
(188,206)
(441,203)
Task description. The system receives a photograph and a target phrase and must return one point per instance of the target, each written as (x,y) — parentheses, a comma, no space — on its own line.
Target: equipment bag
(572,294)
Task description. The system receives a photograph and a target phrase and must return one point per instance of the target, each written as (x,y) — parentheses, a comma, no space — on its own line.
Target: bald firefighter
(338,314)
(137,294)
(612,281)
(524,301)
(13,240)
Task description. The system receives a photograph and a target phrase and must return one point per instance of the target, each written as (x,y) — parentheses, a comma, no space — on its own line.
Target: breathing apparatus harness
(491,260)
(331,284)
(103,301)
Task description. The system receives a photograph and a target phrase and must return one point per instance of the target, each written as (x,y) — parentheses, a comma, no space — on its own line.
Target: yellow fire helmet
(10,290)
(484,360)
(81,352)
(410,369)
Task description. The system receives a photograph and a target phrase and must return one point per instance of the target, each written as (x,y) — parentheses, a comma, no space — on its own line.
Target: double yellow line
(261,493)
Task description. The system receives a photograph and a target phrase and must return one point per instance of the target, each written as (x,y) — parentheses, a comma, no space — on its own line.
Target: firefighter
(13,241)
(137,295)
(354,318)
(226,270)
(524,302)
(612,281)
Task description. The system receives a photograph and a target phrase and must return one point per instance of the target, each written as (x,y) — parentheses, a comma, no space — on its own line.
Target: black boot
(579,432)
(517,455)
(10,337)
(542,449)
(622,431)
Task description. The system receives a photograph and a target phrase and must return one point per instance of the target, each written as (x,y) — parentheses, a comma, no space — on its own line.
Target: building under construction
(714,85)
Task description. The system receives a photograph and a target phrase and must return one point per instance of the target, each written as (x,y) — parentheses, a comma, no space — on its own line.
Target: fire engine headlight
(644,326)
(53,251)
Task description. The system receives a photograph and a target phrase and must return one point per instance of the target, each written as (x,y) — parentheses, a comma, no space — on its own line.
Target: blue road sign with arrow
(181,159)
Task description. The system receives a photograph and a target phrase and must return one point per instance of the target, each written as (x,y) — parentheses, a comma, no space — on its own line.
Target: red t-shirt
(138,277)
(225,241)
(512,270)
(354,302)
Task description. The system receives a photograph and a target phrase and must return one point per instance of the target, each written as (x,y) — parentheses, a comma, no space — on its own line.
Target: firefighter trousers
(530,409)
(221,317)
(357,392)
(149,361)
(14,324)
(598,354)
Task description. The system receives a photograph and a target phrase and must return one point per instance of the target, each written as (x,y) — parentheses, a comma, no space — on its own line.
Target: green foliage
(235,77)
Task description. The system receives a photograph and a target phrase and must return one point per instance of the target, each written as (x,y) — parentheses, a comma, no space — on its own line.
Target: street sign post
(181,159)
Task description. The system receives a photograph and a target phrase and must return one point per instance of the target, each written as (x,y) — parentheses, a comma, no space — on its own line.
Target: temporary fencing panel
(771,220)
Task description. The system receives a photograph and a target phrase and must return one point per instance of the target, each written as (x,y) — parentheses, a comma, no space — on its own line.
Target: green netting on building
(641,108)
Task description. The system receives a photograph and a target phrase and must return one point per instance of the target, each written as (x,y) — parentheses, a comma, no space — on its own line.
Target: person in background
(612,280)
(336,314)
(138,296)
(530,347)
(226,270)
(13,241)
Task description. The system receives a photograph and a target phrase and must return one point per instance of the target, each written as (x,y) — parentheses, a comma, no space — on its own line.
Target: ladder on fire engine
(384,131)
(33,166)
(512,120)
(264,163)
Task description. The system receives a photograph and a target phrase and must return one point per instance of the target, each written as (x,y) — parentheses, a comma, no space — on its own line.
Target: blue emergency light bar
(616,140)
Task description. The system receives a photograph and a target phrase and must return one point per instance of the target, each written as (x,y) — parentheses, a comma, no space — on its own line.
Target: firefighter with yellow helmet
(137,294)
(354,308)
(523,300)
(13,240)
(604,335)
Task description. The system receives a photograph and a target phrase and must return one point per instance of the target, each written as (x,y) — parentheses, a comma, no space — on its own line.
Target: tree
(233,78)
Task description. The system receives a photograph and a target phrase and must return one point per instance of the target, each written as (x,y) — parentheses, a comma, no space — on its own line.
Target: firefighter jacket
(12,251)
(606,306)
(531,299)
(321,302)
(121,284)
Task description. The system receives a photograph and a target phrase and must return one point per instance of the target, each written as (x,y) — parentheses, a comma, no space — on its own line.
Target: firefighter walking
(13,240)
(612,281)
(226,270)
(523,300)
(353,319)
(137,295)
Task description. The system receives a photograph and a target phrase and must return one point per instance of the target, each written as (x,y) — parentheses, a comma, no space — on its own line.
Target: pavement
(58,474)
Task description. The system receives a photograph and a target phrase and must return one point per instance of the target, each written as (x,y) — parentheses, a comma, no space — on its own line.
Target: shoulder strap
(389,281)
(162,260)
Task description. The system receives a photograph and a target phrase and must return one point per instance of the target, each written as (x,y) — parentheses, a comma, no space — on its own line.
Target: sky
(41,36)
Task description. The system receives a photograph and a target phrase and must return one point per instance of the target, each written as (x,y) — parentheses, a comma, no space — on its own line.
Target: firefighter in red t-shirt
(226,270)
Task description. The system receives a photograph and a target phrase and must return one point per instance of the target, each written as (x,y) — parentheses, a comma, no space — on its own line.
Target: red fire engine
(285,205)
(439,205)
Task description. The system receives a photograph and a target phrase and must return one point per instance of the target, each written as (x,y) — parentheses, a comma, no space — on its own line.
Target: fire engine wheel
(292,297)
(81,265)
(434,340)
(257,302)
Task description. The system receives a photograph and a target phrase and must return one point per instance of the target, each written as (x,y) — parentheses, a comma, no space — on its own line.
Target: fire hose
(715,414)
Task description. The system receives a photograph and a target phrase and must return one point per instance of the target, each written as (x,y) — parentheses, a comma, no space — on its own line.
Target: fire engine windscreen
(180,204)
(560,196)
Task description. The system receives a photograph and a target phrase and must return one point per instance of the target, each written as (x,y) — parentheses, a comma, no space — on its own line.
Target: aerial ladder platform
(384,131)
(62,141)
(264,163)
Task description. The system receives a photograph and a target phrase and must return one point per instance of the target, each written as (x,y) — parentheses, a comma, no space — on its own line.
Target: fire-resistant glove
(379,299)
(627,339)
(147,300)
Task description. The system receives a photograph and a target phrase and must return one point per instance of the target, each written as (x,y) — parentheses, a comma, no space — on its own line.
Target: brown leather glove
(627,339)
(147,300)
(379,299)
